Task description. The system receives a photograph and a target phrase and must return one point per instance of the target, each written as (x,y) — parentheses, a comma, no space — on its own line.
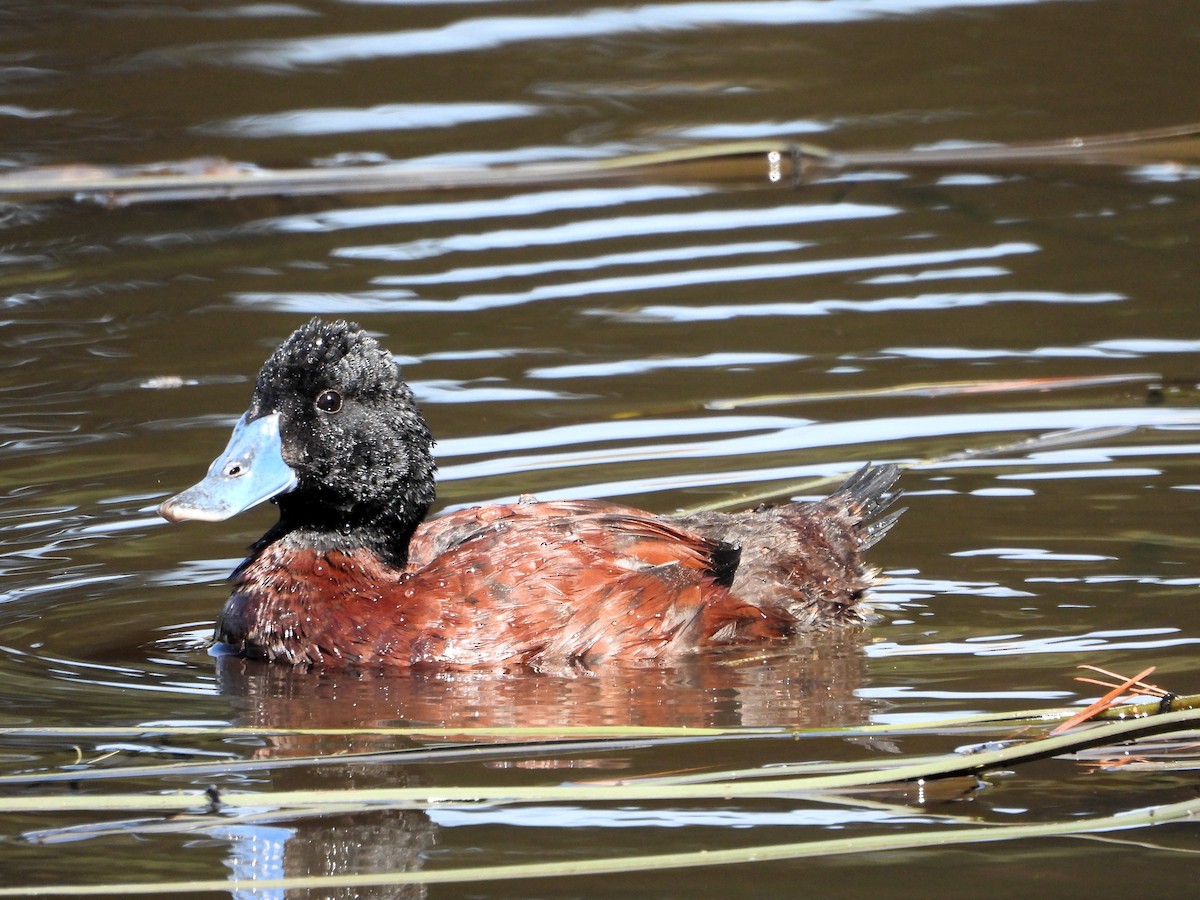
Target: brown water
(575,342)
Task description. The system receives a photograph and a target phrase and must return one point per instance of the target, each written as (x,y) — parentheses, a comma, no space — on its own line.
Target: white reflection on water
(937,275)
(624,430)
(876,432)
(1031,554)
(1132,348)
(1118,579)
(908,692)
(448,390)
(616,228)
(640,366)
(1008,645)
(542,267)
(902,587)
(1126,472)
(658,817)
(175,679)
(528,204)
(489,33)
(394,301)
(915,303)
(385,117)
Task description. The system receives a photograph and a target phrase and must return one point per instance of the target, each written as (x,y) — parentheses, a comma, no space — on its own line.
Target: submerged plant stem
(782,162)
(1158,815)
(951,764)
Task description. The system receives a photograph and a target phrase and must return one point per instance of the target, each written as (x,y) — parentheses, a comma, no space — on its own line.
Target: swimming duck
(353,574)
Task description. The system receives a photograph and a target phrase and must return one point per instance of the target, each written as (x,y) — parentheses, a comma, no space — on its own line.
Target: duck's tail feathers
(866,494)
(872,534)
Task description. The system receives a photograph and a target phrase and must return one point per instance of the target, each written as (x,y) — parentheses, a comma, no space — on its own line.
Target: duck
(355,574)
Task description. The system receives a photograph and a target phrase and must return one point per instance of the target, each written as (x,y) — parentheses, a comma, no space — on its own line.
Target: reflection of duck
(350,575)
(809,681)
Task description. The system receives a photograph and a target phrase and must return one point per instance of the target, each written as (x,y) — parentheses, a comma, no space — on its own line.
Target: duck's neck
(385,531)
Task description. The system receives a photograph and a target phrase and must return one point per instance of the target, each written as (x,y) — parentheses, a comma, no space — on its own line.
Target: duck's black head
(335,438)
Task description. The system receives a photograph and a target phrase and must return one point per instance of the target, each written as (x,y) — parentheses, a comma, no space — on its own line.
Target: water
(581,341)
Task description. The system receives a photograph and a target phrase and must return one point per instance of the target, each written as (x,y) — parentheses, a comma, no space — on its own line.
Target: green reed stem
(901,769)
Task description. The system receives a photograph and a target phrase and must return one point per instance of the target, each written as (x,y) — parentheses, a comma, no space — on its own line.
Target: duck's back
(805,559)
(643,586)
(583,582)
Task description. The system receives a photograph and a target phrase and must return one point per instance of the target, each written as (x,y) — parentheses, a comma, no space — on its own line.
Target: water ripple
(619,227)
(641,366)
(528,204)
(690,276)
(1008,645)
(875,432)
(603,261)
(385,117)
(477,34)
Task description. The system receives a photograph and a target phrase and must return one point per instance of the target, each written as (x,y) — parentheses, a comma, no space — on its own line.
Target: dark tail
(866,494)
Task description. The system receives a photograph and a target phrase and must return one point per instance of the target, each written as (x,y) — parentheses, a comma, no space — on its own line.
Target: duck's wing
(601,582)
(638,537)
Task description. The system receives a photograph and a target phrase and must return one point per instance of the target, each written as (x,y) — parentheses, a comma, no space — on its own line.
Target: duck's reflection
(808,683)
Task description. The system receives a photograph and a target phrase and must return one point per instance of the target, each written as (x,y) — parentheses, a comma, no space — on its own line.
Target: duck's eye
(329,401)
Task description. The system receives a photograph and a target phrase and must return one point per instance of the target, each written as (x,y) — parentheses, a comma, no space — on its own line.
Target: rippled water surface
(662,343)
